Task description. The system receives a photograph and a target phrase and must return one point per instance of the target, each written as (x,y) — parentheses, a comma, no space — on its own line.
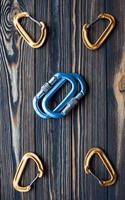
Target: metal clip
(25,35)
(67,103)
(104,35)
(20,170)
(107,164)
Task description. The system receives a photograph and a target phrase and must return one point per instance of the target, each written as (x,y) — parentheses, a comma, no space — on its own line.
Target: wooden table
(97,121)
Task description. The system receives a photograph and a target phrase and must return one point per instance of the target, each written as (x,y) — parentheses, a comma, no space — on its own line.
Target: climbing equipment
(104,35)
(42,100)
(20,170)
(97,151)
(24,34)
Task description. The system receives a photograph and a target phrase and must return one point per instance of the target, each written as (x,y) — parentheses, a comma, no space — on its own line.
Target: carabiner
(49,89)
(104,35)
(25,35)
(74,101)
(21,168)
(97,151)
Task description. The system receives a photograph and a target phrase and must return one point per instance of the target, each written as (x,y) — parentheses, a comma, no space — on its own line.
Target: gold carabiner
(21,168)
(104,35)
(107,164)
(25,35)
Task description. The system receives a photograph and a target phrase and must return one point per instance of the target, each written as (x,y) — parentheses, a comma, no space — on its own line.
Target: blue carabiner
(53,85)
(49,89)
(43,91)
(74,101)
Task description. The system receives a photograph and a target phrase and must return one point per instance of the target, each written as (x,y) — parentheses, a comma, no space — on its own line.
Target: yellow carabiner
(21,168)
(107,164)
(104,35)
(25,35)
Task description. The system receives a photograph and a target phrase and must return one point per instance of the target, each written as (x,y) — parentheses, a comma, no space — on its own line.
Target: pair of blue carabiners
(43,98)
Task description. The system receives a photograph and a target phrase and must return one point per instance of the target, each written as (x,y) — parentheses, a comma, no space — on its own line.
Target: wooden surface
(97,121)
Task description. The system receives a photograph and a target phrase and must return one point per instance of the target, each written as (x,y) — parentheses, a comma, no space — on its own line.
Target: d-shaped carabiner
(21,168)
(25,35)
(97,151)
(104,35)
(49,89)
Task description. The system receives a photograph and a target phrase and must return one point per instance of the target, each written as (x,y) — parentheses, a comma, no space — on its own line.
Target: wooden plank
(116,100)
(17,117)
(91,119)
(55,135)
(97,121)
(65,149)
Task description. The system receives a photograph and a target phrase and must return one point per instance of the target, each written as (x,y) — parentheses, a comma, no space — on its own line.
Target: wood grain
(99,119)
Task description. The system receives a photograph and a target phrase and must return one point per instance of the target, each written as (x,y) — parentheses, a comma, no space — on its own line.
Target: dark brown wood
(97,121)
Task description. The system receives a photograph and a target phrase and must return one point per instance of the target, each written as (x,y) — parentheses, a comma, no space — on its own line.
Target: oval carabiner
(56,113)
(49,89)
(24,34)
(105,161)
(21,168)
(74,101)
(43,91)
(104,35)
